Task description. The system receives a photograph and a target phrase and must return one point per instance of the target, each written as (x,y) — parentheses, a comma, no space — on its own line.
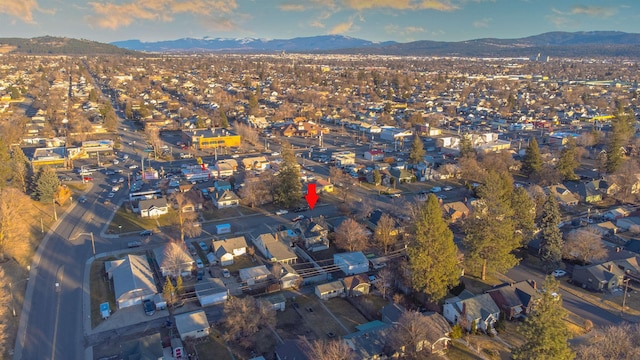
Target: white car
(226,273)
(275,153)
(111,195)
(116,162)
(559,273)
(134,166)
(282,212)
(199,264)
(447,188)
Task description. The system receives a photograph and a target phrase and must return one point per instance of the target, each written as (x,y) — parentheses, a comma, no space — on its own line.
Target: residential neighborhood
(450,204)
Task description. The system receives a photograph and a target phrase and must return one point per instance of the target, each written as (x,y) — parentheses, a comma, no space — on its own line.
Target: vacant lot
(316,318)
(346,313)
(214,348)
(291,324)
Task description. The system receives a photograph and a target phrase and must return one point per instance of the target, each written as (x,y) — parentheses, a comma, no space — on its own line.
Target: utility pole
(624,297)
(55,213)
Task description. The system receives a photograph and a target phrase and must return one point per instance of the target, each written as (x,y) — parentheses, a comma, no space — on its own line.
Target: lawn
(348,315)
(371,304)
(218,214)
(318,320)
(241,262)
(458,351)
(213,349)
(125,221)
(290,324)
(100,292)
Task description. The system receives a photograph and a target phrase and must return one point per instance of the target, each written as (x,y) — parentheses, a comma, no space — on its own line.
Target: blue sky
(376,20)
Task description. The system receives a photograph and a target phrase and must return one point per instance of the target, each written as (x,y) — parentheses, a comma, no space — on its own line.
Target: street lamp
(93,244)
(624,297)
(13,304)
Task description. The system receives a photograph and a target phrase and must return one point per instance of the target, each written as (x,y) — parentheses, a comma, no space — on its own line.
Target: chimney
(534,284)
(610,267)
(464,308)
(276,236)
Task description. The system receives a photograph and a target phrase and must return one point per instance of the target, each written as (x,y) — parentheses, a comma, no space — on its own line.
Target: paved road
(572,303)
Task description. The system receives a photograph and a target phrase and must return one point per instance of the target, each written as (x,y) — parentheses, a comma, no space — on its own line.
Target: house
(222,185)
(562,195)
(374,155)
(370,341)
(145,347)
(456,210)
(302,129)
(314,234)
(292,350)
(171,268)
(274,250)
(437,338)
(324,186)
(223,169)
(630,223)
(598,277)
(259,163)
(470,310)
(351,262)
(153,208)
(617,213)
(515,299)
(356,285)
(225,199)
(330,290)
(192,325)
(255,274)
(289,277)
(210,291)
(589,192)
(132,280)
(402,175)
(226,250)
(374,218)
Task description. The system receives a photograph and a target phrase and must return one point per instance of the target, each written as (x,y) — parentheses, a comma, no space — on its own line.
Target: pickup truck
(185,156)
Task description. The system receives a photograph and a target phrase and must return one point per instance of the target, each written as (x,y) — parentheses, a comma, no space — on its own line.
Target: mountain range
(554,44)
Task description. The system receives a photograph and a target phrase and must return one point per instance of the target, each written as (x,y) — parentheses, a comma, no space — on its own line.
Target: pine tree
(46,184)
(614,154)
(20,168)
(532,161)
(416,155)
(490,232)
(524,213)
(546,334)
(432,252)
(224,122)
(179,286)
(567,164)
(288,187)
(466,147)
(551,244)
(168,291)
(377,177)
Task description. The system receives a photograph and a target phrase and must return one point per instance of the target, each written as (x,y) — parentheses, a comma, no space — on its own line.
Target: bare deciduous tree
(327,349)
(614,342)
(186,218)
(410,334)
(175,259)
(584,245)
(384,282)
(351,236)
(386,232)
(240,327)
(342,181)
(4,311)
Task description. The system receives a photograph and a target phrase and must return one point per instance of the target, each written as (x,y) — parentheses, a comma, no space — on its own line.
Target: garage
(211,291)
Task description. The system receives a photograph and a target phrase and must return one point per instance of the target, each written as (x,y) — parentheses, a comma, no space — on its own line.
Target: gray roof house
(144,348)
(132,280)
(153,208)
(192,325)
(515,299)
(466,308)
(226,250)
(370,341)
(598,277)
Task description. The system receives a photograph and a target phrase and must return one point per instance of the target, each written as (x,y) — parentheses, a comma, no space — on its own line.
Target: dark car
(65,178)
(200,274)
(146,233)
(301,209)
(149,307)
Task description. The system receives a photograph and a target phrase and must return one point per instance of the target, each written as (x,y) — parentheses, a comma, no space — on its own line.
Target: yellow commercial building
(202,139)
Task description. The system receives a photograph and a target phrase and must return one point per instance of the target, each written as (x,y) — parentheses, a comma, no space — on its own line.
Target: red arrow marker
(312,196)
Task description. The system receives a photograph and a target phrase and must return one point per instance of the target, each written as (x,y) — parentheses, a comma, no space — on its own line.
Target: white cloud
(482,23)
(21,9)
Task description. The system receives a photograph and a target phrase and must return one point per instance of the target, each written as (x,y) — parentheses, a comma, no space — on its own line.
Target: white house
(254,274)
(192,325)
(275,250)
(132,280)
(351,262)
(224,199)
(211,291)
(374,155)
(226,250)
(153,208)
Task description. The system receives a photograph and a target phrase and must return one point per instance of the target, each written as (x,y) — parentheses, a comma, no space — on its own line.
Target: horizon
(372,20)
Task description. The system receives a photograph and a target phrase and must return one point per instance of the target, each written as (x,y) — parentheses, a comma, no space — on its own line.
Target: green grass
(241,262)
(100,292)
(217,214)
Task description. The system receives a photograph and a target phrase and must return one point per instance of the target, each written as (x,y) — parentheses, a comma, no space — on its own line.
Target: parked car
(134,244)
(200,274)
(192,250)
(282,212)
(146,233)
(436,189)
(199,264)
(65,178)
(111,195)
(301,209)
(87,178)
(203,246)
(116,162)
(149,307)
(226,273)
(134,166)
(297,218)
(82,199)
(447,188)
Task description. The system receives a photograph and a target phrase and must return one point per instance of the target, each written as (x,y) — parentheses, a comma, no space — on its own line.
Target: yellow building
(202,139)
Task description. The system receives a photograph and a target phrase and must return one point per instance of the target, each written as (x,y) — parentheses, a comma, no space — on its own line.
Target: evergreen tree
(614,154)
(532,161)
(93,95)
(168,291)
(546,334)
(524,213)
(5,163)
(568,163)
(224,122)
(179,286)
(432,252)
(377,177)
(46,184)
(490,233)
(416,155)
(466,147)
(288,188)
(551,244)
(20,169)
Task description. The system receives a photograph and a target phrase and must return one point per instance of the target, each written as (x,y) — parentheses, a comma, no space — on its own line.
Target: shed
(330,290)
(278,301)
(351,262)
(193,325)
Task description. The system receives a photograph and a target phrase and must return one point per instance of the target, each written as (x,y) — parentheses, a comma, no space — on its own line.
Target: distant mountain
(51,45)
(554,44)
(301,44)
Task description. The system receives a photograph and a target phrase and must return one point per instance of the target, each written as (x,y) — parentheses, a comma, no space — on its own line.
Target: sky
(374,20)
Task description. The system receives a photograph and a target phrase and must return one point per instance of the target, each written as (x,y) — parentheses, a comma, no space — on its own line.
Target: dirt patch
(322,324)
(346,313)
